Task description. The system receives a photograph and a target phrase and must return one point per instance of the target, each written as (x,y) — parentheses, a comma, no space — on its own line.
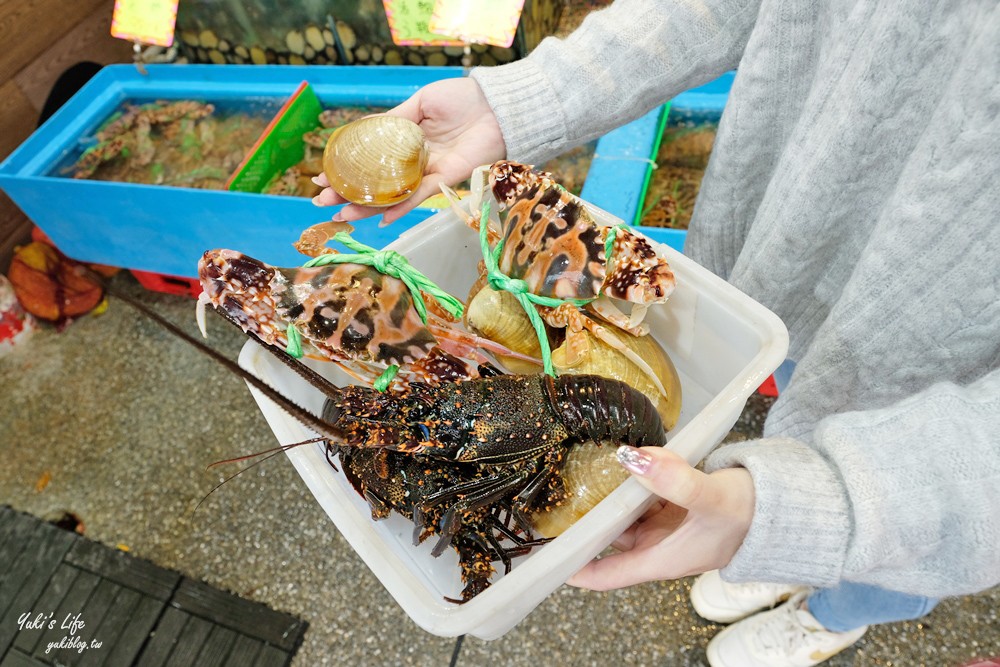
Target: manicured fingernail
(382,222)
(316,201)
(634,460)
(339,216)
(315,179)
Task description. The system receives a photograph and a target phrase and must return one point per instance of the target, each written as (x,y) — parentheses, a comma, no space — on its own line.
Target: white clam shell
(376,161)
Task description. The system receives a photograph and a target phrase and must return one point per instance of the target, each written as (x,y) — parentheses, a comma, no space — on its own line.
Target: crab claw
(636,273)
(312,242)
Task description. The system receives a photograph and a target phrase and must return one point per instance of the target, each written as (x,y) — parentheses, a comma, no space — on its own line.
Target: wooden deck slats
(98,609)
(270,656)
(141,614)
(15,540)
(123,569)
(230,611)
(129,642)
(76,599)
(17,659)
(50,599)
(165,638)
(244,651)
(216,647)
(28,574)
(7,524)
(189,646)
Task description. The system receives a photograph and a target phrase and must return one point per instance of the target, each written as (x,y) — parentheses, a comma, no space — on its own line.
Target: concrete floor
(123,419)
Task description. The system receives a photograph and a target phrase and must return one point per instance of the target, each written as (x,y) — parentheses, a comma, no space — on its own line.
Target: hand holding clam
(376,161)
(462,133)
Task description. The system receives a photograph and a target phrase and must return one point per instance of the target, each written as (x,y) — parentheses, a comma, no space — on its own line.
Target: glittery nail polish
(634,460)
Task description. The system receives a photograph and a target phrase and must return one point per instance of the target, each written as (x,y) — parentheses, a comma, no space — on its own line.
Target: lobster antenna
(308,419)
(273,450)
(270,453)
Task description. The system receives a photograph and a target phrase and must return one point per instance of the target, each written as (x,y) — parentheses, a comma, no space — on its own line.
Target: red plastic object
(768,388)
(157,282)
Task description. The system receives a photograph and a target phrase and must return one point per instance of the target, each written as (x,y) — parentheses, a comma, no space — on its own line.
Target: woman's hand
(698,525)
(462,133)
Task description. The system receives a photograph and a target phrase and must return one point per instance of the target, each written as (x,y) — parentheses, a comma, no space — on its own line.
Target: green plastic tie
(386,262)
(382,381)
(519,288)
(293,346)
(609,241)
(391,263)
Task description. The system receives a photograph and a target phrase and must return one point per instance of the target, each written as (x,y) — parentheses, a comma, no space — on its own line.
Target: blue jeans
(849,605)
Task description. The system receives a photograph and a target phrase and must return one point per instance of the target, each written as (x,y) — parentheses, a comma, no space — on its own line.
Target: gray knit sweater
(854,189)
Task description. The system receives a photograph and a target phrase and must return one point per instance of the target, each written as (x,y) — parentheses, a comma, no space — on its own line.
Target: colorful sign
(408,21)
(477,21)
(145,21)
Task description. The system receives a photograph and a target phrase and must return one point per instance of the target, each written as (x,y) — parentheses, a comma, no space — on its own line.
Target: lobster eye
(424,431)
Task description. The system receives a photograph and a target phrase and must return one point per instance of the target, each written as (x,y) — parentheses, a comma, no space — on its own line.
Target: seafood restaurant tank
(112,223)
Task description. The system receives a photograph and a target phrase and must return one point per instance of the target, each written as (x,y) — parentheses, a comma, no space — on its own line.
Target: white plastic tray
(723,343)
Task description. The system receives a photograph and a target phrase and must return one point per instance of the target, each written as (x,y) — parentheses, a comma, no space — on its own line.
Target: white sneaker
(784,637)
(717,601)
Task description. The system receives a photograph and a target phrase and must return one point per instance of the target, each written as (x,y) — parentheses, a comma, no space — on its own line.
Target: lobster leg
(478,547)
(475,559)
(379,507)
(523,545)
(522,502)
(471,496)
(503,555)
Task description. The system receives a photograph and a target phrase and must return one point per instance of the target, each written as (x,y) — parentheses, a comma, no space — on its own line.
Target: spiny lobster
(464,460)
(499,441)
(514,429)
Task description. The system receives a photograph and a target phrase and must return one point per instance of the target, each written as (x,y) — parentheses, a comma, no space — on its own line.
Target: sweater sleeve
(620,63)
(906,497)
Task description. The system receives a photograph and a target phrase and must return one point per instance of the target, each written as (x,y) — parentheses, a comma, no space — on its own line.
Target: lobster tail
(597,408)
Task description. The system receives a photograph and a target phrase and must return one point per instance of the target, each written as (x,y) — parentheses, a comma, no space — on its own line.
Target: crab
(552,241)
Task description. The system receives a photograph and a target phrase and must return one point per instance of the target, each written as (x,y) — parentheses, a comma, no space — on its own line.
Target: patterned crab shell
(552,242)
(347,311)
